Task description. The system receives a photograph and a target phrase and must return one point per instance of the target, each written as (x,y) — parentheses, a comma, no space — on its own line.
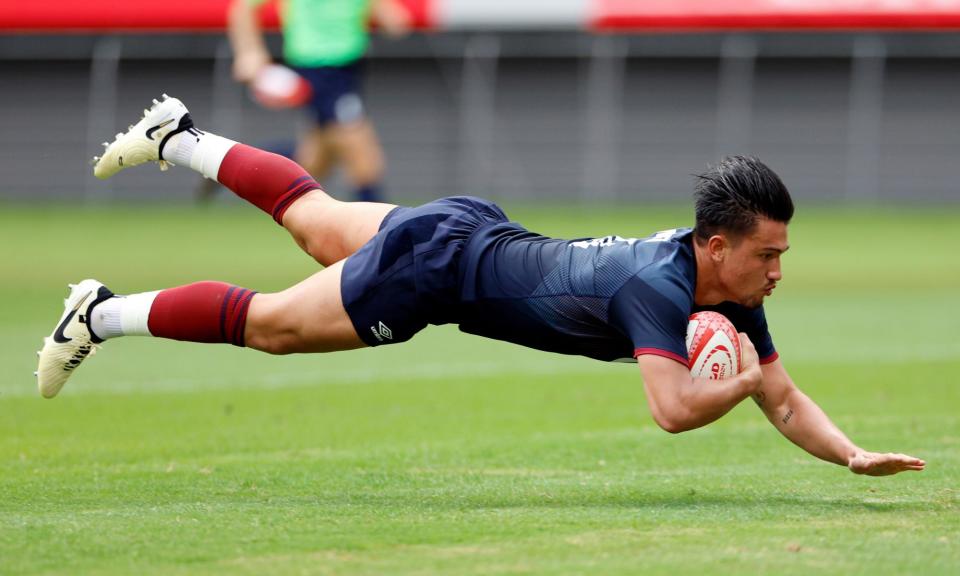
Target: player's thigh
(307,317)
(359,151)
(330,230)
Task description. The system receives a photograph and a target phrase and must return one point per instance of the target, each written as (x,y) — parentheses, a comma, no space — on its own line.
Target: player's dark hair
(731,195)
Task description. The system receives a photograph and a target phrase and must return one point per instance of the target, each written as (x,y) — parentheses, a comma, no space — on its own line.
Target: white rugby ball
(713,346)
(277,86)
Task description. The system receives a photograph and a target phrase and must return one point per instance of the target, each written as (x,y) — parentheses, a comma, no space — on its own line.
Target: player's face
(751,266)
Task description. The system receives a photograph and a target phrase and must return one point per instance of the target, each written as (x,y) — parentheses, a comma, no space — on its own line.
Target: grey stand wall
(526,116)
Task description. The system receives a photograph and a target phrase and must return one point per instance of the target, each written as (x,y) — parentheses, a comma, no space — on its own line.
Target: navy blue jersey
(607,298)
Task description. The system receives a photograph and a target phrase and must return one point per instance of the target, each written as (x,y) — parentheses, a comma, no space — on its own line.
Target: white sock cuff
(209,154)
(105,318)
(136,312)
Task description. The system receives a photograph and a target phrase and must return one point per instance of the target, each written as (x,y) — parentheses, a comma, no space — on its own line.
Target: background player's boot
(143,141)
(71,340)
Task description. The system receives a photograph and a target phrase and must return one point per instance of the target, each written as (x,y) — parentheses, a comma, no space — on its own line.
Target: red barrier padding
(146,16)
(119,15)
(713,15)
(423,13)
(611,15)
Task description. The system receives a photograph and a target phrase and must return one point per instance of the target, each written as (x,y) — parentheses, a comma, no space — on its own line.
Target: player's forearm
(806,425)
(243,28)
(704,401)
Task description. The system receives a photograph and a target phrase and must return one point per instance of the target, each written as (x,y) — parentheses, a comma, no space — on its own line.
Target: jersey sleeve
(654,316)
(753,321)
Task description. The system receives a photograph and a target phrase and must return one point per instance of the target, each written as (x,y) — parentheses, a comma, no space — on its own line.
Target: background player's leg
(361,155)
(315,152)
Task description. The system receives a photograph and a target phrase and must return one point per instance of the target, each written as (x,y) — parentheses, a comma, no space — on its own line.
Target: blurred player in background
(324,41)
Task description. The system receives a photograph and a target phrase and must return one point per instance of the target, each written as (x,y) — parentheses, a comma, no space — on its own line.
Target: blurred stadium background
(597,100)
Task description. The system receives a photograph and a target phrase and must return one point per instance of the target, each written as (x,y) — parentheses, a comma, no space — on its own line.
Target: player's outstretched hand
(877,464)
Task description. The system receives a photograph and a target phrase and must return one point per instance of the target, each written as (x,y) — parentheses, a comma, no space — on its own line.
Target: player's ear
(717,247)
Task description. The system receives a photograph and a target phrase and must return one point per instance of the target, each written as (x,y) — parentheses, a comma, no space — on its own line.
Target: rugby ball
(713,346)
(277,86)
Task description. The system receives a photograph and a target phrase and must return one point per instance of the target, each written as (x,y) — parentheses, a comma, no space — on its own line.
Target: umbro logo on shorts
(381,331)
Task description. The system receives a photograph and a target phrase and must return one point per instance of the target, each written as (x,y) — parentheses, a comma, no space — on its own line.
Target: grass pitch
(457,455)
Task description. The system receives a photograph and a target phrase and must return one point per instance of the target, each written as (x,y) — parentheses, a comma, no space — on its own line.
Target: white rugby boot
(71,340)
(143,141)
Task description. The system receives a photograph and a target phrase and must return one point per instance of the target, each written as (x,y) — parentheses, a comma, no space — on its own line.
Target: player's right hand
(248,63)
(393,17)
(879,464)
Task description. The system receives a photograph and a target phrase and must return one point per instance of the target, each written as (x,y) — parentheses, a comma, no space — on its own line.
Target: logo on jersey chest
(605,241)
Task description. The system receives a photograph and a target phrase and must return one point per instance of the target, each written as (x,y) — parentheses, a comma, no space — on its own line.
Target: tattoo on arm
(759,397)
(788,416)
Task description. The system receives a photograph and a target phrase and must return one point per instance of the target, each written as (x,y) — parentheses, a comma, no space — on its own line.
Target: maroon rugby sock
(201,312)
(268,181)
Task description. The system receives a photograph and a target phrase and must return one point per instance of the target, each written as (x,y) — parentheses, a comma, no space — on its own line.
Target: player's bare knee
(312,221)
(325,248)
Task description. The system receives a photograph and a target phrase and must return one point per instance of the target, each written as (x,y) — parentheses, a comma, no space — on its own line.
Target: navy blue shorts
(408,275)
(336,93)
